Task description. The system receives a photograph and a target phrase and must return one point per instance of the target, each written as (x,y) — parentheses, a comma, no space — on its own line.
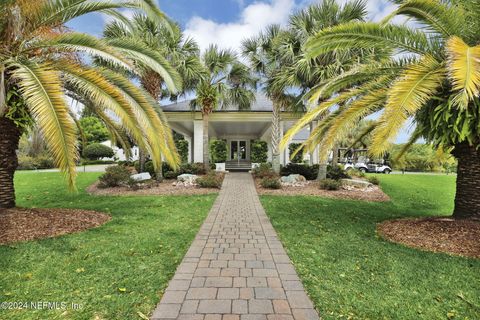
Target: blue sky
(227,22)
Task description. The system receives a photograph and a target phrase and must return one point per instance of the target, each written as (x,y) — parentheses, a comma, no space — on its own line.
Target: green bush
(258,151)
(263,170)
(330,184)
(114,176)
(211,180)
(336,173)
(96,151)
(271,183)
(170,175)
(374,180)
(309,172)
(298,158)
(218,151)
(356,173)
(85,162)
(34,163)
(182,148)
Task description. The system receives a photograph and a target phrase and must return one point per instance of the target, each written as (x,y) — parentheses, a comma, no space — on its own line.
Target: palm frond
(41,88)
(464,70)
(439,17)
(417,85)
(148,58)
(367,35)
(81,42)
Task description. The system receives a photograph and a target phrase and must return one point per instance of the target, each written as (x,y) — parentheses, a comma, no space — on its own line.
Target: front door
(238,150)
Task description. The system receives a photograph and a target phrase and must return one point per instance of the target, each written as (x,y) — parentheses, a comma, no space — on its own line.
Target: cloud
(253,19)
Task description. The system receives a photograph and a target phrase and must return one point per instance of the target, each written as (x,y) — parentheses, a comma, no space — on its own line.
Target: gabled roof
(261,104)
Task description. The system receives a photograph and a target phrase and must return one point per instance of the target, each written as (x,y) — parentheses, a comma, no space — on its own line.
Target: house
(237,127)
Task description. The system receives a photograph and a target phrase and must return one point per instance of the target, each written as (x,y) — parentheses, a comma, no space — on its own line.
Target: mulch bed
(311,189)
(455,237)
(21,224)
(164,188)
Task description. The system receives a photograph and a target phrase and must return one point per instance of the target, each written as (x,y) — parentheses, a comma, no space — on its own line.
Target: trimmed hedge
(218,151)
(34,163)
(299,156)
(258,151)
(96,151)
(182,148)
(309,172)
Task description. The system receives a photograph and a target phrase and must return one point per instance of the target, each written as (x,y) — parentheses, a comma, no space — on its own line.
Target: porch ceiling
(223,129)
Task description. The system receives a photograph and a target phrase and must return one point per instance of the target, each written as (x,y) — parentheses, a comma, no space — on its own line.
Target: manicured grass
(114,271)
(350,273)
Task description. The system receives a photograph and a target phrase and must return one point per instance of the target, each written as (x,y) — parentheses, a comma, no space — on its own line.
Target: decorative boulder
(141,177)
(354,183)
(187,178)
(293,178)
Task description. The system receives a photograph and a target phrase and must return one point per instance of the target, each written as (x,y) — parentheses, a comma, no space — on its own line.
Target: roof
(261,104)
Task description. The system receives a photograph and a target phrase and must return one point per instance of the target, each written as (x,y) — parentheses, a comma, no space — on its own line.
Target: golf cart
(357,159)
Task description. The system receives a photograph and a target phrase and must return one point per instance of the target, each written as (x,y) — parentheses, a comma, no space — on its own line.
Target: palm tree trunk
(206,156)
(9,138)
(322,171)
(467,199)
(141,160)
(335,156)
(276,138)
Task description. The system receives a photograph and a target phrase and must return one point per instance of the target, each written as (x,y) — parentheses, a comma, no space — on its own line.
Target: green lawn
(114,271)
(350,273)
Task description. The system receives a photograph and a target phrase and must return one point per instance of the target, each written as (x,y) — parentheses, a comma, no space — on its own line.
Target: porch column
(197,141)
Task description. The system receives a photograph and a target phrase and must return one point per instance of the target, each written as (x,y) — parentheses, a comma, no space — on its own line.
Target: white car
(370,167)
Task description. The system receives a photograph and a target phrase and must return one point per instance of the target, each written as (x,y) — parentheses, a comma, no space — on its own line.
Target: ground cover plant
(116,271)
(351,273)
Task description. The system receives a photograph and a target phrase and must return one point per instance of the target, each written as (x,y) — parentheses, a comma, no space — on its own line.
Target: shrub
(211,180)
(330,184)
(356,173)
(263,170)
(171,175)
(34,163)
(114,176)
(336,173)
(85,162)
(218,151)
(271,183)
(374,180)
(96,151)
(259,151)
(298,158)
(309,172)
(182,148)
(150,168)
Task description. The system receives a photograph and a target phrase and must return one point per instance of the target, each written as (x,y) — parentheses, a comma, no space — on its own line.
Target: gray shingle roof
(262,104)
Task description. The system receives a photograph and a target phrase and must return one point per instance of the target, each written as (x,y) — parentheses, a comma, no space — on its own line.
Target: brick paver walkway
(236,268)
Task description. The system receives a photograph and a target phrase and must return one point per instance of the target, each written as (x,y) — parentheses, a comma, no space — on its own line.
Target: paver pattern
(236,268)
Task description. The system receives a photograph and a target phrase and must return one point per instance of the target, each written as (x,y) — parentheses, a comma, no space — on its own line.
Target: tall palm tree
(303,72)
(181,56)
(436,84)
(226,82)
(264,55)
(40,60)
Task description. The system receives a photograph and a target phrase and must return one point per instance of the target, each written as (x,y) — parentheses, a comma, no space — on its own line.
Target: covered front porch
(238,129)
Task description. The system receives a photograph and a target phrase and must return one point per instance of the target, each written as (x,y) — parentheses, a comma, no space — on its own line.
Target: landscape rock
(293,180)
(358,184)
(186,180)
(141,176)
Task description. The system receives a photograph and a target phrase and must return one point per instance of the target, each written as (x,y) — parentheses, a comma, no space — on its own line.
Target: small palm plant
(435,83)
(41,62)
(226,82)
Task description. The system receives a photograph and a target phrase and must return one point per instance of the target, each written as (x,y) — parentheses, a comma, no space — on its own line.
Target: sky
(227,22)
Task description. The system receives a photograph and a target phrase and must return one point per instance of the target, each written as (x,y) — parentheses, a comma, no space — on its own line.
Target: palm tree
(181,56)
(40,60)
(435,83)
(226,82)
(263,53)
(304,73)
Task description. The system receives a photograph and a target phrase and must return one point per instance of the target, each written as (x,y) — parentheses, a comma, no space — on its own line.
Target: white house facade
(237,128)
